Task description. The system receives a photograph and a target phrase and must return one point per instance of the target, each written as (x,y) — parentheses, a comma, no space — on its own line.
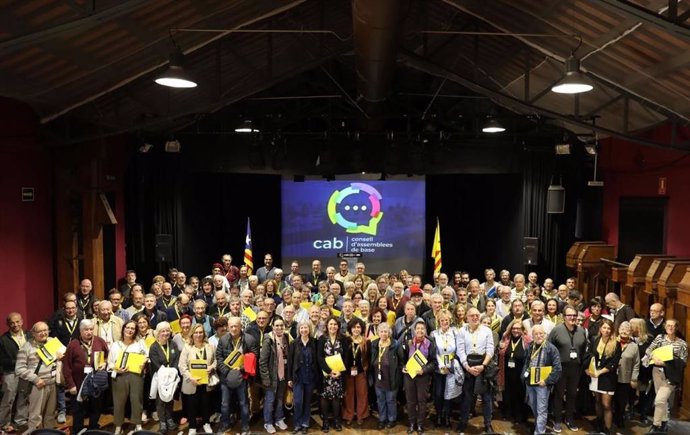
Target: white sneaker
(144,417)
(207,428)
(192,432)
(269,428)
(154,416)
(61,418)
(118,430)
(138,427)
(82,431)
(281,424)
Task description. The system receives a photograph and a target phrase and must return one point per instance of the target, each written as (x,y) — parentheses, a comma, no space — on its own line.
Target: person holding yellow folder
(605,354)
(541,371)
(126,382)
(332,345)
(197,364)
(667,375)
(418,358)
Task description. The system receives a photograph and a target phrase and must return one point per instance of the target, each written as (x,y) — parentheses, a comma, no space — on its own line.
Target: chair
(47,432)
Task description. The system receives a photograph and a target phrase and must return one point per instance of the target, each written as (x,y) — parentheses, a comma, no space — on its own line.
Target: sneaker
(138,428)
(192,432)
(82,431)
(215,418)
(154,416)
(571,426)
(61,418)
(269,428)
(118,430)
(557,427)
(207,428)
(171,424)
(296,430)
(162,428)
(281,424)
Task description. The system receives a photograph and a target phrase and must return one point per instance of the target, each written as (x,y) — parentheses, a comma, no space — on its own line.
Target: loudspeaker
(555,199)
(163,248)
(530,251)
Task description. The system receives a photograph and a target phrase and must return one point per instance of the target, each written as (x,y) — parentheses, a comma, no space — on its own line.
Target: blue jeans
(302,403)
(273,401)
(241,394)
(538,401)
(388,411)
(61,404)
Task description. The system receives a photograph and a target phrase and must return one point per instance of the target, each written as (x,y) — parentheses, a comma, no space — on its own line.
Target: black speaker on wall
(555,199)
(163,248)
(530,251)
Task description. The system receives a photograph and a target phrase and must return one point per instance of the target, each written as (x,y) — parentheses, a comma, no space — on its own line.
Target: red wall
(26,244)
(632,170)
(27,253)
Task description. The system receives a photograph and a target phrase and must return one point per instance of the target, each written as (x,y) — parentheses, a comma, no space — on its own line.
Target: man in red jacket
(84,355)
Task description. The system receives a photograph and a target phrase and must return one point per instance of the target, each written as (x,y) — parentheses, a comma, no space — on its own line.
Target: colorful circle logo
(338,205)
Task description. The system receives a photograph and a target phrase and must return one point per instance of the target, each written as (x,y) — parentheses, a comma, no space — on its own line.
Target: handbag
(475,359)
(250,364)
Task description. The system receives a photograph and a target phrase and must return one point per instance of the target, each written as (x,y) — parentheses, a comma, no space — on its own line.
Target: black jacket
(393,359)
(268,361)
(59,328)
(296,359)
(226,346)
(9,350)
(157,356)
(404,352)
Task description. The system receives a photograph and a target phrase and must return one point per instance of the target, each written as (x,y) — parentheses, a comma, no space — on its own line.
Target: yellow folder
(149,341)
(198,370)
(336,313)
(663,353)
(98,359)
(415,364)
(48,352)
(249,313)
(132,362)
(335,362)
(538,374)
(306,305)
(175,326)
(235,360)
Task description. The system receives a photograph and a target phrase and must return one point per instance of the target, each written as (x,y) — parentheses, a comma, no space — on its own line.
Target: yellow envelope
(175,326)
(234,360)
(538,374)
(335,362)
(133,362)
(198,370)
(149,341)
(663,353)
(249,313)
(48,352)
(415,364)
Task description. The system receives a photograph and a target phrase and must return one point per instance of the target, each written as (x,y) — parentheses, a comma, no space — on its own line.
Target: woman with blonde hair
(459,315)
(164,353)
(198,354)
(643,339)
(605,354)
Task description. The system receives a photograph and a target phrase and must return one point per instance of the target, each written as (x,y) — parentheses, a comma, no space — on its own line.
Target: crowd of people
(236,347)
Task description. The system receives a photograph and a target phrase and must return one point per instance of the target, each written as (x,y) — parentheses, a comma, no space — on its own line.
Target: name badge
(88,369)
(573,355)
(511,364)
(53,372)
(353,372)
(379,376)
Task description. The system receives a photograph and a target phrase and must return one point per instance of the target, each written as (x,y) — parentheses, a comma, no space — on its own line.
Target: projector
(595,183)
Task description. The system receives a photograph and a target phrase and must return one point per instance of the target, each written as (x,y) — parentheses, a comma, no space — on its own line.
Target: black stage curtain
(483,218)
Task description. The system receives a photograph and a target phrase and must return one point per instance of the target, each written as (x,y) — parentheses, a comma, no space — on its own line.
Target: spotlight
(175,76)
(562,149)
(492,126)
(574,81)
(246,127)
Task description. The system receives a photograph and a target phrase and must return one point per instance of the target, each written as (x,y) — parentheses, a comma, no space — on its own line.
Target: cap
(415,290)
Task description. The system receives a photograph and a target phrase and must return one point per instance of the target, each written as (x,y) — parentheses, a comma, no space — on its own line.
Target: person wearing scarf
(512,353)
(416,384)
(273,361)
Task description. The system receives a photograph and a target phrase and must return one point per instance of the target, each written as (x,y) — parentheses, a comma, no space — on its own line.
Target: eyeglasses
(572,316)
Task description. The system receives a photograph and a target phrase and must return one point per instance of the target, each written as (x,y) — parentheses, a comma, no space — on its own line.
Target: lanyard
(201,353)
(537,351)
(601,354)
(382,351)
(513,346)
(221,311)
(71,326)
(87,349)
(166,350)
(355,351)
(474,338)
(236,343)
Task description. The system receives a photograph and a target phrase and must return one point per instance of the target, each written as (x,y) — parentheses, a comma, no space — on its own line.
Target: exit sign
(27,194)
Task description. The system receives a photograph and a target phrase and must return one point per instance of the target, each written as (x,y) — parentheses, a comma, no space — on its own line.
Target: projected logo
(357,208)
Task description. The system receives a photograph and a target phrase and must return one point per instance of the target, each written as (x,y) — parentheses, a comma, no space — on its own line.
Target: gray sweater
(629,365)
(561,338)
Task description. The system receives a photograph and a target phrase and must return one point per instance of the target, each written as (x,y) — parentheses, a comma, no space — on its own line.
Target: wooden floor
(475,427)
